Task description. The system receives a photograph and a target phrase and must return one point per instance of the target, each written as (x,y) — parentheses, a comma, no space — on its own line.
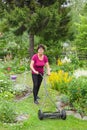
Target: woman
(37,64)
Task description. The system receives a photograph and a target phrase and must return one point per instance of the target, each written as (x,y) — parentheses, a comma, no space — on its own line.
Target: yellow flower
(59,62)
(59,78)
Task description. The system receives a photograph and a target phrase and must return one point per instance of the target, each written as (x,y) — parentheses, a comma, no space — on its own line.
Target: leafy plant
(81,37)
(60,81)
(64,99)
(6,95)
(77,92)
(5,83)
(7,112)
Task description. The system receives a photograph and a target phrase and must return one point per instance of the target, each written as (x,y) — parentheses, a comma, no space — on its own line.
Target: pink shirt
(39,64)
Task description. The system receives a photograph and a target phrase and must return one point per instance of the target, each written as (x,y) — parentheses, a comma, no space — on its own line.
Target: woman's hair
(41,46)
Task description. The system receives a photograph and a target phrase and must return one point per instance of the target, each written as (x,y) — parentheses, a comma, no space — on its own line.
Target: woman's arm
(32,68)
(48,68)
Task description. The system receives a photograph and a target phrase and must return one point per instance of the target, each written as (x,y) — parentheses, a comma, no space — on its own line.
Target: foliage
(38,18)
(83,63)
(76,8)
(52,24)
(78,27)
(1,66)
(52,52)
(7,112)
(67,64)
(14,66)
(5,83)
(64,99)
(60,81)
(16,46)
(1,9)
(66,67)
(74,88)
(6,95)
(77,91)
(80,40)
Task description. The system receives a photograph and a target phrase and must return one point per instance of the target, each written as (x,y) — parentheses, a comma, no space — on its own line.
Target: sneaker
(36,102)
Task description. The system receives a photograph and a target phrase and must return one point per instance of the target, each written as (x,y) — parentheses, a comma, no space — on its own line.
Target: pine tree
(38,17)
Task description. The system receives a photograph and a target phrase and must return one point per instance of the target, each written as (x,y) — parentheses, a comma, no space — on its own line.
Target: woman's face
(40,51)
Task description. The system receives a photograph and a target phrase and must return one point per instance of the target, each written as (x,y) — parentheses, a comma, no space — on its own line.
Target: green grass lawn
(27,106)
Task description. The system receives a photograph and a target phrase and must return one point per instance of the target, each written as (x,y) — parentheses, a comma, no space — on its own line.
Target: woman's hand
(48,73)
(48,69)
(36,72)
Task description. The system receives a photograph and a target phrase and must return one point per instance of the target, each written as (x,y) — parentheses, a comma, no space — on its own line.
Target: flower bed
(74,88)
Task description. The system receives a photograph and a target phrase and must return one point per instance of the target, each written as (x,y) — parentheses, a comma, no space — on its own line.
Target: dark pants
(37,79)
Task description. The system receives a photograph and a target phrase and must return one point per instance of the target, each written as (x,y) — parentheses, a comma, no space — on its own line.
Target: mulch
(23,94)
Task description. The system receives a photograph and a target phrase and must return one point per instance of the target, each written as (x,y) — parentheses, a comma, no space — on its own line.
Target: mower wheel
(63,114)
(40,115)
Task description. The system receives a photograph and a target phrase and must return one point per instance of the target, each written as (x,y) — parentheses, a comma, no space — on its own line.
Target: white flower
(79,73)
(66,60)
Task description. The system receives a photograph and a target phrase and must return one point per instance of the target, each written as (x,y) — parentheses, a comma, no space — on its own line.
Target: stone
(84,118)
(22,117)
(77,115)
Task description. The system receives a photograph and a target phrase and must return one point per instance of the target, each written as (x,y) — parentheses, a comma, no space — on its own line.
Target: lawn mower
(51,115)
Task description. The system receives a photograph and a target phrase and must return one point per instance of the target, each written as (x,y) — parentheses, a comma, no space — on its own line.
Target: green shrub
(66,67)
(74,59)
(83,63)
(5,83)
(6,95)
(7,109)
(1,66)
(64,99)
(77,91)
(7,112)
(14,66)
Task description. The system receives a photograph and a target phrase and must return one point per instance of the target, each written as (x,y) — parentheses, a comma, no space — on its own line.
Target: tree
(76,8)
(77,32)
(43,18)
(81,37)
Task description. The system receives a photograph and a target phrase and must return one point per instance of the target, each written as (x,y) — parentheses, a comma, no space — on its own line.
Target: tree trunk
(31,45)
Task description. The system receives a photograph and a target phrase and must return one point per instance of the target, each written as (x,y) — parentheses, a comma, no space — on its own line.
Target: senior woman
(38,61)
